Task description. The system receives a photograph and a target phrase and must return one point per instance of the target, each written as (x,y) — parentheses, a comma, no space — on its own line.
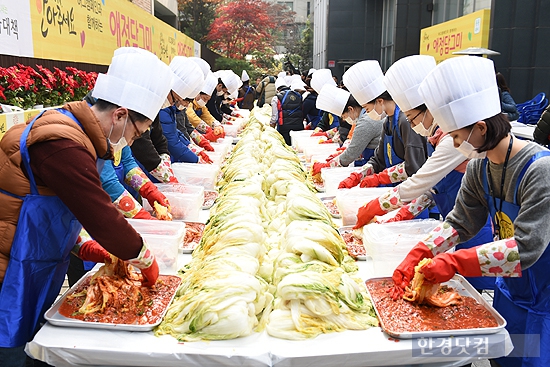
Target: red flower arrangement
(25,87)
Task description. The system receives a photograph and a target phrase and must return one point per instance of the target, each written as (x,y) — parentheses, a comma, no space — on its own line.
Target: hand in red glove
(150,274)
(320,133)
(328,141)
(206,159)
(212,136)
(352,181)
(205,144)
(403,214)
(445,265)
(172,179)
(403,274)
(150,192)
(143,214)
(367,212)
(376,180)
(93,251)
(317,166)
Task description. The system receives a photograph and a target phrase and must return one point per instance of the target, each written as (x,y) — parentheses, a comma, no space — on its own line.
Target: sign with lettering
(86,30)
(441,40)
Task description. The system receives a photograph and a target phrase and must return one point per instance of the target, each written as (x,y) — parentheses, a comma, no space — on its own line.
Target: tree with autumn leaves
(245,27)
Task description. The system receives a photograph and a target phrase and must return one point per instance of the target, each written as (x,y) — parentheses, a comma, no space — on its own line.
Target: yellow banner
(90,30)
(441,40)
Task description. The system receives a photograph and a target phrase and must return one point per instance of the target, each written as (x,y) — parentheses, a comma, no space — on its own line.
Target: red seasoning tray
(354,245)
(193,235)
(476,311)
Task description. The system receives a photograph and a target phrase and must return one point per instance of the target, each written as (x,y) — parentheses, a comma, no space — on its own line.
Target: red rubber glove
(93,251)
(150,274)
(403,214)
(317,166)
(205,157)
(403,274)
(205,144)
(173,179)
(150,192)
(308,127)
(143,214)
(367,212)
(376,180)
(352,181)
(445,265)
(320,133)
(334,155)
(212,136)
(328,141)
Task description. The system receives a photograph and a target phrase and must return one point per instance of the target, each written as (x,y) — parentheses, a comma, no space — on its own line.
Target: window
(471,6)
(445,10)
(388,28)
(288,4)
(308,11)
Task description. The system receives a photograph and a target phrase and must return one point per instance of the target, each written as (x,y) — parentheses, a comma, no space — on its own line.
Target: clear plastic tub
(185,200)
(216,156)
(197,174)
(295,136)
(334,175)
(163,239)
(389,243)
(317,149)
(231,130)
(348,201)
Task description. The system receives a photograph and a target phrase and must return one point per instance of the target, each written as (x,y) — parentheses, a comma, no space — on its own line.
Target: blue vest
(389,153)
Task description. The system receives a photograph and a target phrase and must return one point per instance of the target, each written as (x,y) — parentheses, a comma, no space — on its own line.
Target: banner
(86,30)
(441,40)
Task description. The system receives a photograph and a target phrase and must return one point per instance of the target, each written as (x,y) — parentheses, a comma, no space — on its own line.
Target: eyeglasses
(412,120)
(138,134)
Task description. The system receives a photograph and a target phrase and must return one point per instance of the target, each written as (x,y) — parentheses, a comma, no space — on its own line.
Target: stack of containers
(389,243)
(185,200)
(348,201)
(194,174)
(163,239)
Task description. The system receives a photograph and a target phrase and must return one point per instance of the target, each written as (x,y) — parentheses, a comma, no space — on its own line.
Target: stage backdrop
(86,30)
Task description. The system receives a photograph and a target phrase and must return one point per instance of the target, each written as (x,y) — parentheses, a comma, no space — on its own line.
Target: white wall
(320,30)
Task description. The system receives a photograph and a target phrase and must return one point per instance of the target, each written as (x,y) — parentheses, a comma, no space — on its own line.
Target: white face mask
(121,143)
(201,102)
(420,129)
(376,116)
(350,120)
(468,150)
(219,94)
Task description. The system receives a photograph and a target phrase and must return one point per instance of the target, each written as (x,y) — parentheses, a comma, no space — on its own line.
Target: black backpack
(261,98)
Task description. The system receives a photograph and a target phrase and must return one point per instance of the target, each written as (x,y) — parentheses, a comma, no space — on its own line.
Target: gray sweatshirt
(366,135)
(531,227)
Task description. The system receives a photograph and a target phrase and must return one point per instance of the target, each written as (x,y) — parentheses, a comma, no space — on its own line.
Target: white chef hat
(234,95)
(461,91)
(280,82)
(188,79)
(365,81)
(201,63)
(403,78)
(298,84)
(332,99)
(282,74)
(231,80)
(244,76)
(311,71)
(127,85)
(321,77)
(210,83)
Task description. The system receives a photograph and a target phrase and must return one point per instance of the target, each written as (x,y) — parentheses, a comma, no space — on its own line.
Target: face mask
(469,151)
(350,121)
(375,115)
(219,94)
(180,107)
(121,143)
(201,102)
(420,129)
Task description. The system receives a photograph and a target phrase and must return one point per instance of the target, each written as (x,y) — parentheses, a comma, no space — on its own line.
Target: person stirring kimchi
(509,181)
(50,188)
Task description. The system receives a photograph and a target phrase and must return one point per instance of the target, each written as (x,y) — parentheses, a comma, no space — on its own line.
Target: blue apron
(46,232)
(367,153)
(524,301)
(389,153)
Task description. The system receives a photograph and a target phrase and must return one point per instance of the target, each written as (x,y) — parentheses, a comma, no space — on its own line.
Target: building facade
(349,31)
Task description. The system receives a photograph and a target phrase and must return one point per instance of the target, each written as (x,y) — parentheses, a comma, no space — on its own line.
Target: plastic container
(348,201)
(185,200)
(163,239)
(296,135)
(231,130)
(318,149)
(334,175)
(216,157)
(197,174)
(389,243)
